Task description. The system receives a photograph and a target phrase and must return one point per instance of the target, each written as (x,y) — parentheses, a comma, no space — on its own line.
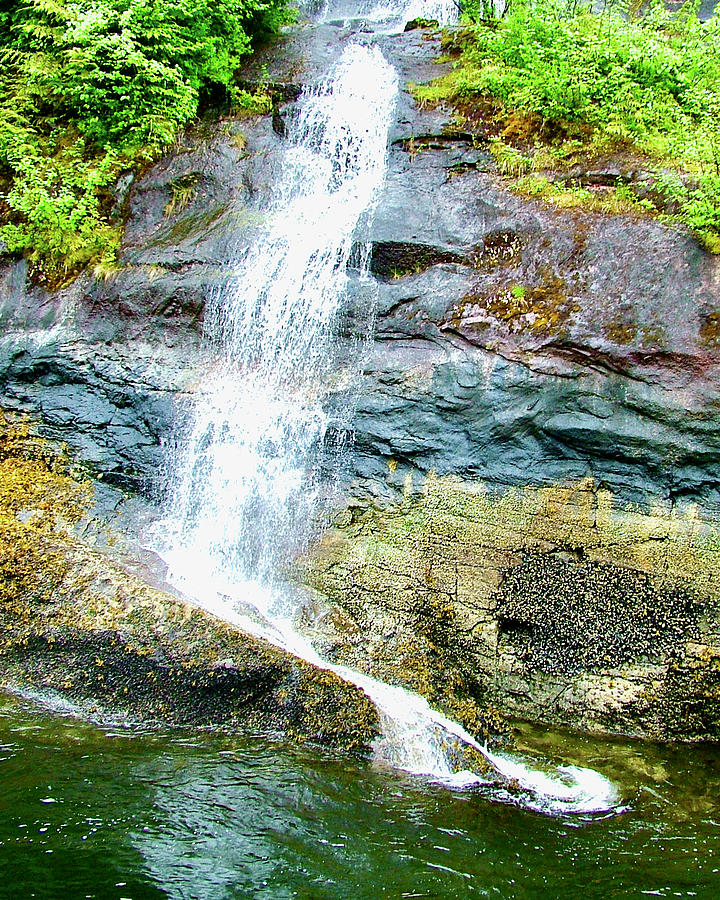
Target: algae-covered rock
(553,605)
(76,624)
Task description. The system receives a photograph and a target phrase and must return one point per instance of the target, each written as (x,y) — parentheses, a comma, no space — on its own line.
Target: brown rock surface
(551,604)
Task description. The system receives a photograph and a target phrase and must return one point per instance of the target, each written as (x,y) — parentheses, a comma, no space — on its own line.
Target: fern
(88,87)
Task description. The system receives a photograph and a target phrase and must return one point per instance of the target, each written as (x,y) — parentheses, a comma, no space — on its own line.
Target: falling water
(247,489)
(389,14)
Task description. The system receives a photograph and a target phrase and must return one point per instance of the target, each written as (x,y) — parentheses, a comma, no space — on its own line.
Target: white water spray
(247,489)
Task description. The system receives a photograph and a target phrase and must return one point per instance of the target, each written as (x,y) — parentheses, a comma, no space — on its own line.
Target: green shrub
(699,203)
(61,225)
(258,103)
(88,87)
(557,76)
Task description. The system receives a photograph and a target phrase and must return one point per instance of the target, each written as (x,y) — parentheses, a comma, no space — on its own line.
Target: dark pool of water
(90,812)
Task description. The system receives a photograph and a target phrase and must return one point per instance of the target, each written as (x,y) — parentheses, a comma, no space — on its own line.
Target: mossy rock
(554,605)
(76,624)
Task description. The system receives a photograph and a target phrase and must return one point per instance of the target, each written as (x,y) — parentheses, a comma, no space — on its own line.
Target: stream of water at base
(248,484)
(105,813)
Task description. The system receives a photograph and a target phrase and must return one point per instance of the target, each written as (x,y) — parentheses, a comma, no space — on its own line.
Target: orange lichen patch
(37,488)
(622,333)
(40,498)
(544,309)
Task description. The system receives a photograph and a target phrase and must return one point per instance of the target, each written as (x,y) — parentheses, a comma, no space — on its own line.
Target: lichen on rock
(553,605)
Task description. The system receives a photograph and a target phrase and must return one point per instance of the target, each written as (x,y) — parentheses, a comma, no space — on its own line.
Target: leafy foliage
(59,202)
(553,74)
(89,87)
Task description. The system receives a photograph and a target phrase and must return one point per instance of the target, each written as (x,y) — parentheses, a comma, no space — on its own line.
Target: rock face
(77,625)
(532,373)
(106,363)
(560,606)
(541,345)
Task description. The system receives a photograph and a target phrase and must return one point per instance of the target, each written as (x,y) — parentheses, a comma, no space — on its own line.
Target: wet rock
(77,625)
(557,604)
(107,363)
(392,259)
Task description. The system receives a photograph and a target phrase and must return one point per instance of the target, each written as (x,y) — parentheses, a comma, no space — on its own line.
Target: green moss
(622,333)
(510,161)
(544,308)
(188,225)
(421,23)
(564,195)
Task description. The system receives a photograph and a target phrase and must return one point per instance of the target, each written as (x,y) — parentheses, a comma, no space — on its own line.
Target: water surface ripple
(87,812)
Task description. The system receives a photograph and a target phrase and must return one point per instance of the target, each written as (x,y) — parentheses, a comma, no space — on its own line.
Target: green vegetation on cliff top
(89,88)
(561,85)
(92,88)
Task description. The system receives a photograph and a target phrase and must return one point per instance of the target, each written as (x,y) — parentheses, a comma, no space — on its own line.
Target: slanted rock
(76,625)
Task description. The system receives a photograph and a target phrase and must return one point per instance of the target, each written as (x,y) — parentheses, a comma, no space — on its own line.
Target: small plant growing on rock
(256,103)
(554,84)
(182,193)
(509,160)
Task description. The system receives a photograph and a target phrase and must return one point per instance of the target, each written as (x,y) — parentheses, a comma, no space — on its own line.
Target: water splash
(247,489)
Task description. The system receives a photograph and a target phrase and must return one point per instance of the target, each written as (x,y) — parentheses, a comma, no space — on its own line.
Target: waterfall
(246,489)
(389,13)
